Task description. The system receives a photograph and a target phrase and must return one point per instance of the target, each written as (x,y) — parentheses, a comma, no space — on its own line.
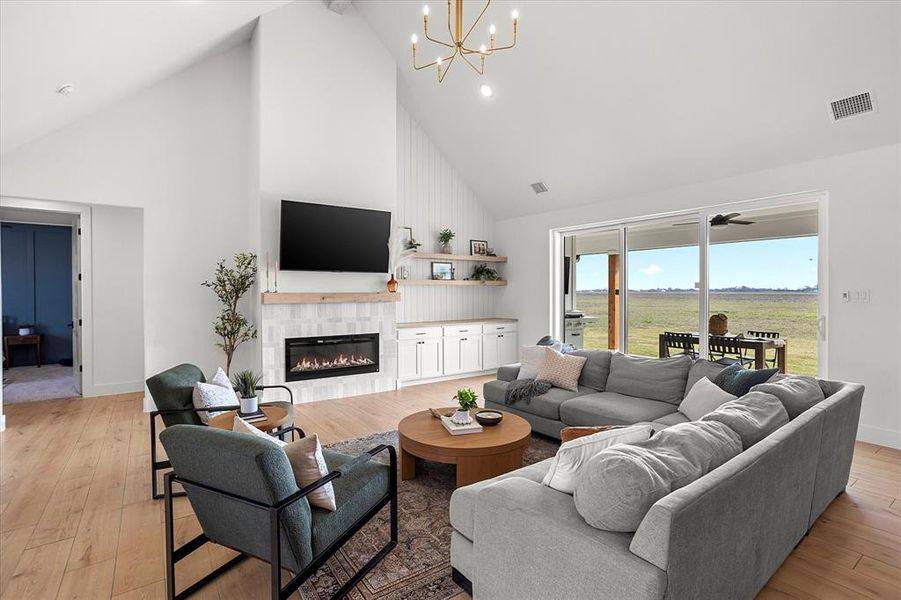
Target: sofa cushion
(620,484)
(702,368)
(609,408)
(574,454)
(753,416)
(463,500)
(547,405)
(796,393)
(495,391)
(704,397)
(660,379)
(738,380)
(673,418)
(596,369)
(508,372)
(561,370)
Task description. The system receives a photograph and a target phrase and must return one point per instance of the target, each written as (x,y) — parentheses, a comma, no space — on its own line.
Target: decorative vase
(392,284)
(462,417)
(718,324)
(249,405)
(447,249)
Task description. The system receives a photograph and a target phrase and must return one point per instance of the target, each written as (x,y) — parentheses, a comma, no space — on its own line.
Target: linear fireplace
(331,356)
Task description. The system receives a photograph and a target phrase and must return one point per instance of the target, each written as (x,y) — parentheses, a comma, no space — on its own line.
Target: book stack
(259,415)
(456,429)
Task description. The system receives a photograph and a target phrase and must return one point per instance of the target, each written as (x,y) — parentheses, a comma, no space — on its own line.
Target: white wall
(863,253)
(326,102)
(181,151)
(431,196)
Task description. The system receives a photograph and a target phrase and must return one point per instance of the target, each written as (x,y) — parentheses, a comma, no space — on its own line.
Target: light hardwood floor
(76,521)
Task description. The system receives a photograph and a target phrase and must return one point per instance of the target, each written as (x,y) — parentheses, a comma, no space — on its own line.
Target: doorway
(39,275)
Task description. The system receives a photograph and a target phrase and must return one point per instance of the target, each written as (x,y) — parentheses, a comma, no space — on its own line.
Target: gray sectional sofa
(613,390)
(721,536)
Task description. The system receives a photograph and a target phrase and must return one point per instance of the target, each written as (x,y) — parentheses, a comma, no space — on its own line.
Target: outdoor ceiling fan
(720,220)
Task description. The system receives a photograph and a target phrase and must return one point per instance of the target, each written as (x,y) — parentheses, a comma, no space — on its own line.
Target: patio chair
(683,342)
(770,335)
(245,496)
(728,350)
(172,393)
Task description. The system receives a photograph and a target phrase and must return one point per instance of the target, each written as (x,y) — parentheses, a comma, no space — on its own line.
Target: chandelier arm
(474,68)
(448,60)
(431,39)
(476,22)
(449,63)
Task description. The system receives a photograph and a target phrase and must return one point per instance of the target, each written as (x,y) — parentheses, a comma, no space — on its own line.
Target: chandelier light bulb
(492,29)
(414,39)
(515,15)
(425,10)
(483,49)
(438,61)
(486,90)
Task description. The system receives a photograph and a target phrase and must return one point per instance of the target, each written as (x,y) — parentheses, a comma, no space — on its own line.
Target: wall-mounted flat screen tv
(321,237)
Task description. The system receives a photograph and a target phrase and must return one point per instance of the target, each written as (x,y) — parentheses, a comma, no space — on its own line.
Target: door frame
(702,214)
(81,214)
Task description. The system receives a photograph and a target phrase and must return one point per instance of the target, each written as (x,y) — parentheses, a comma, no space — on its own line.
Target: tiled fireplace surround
(281,321)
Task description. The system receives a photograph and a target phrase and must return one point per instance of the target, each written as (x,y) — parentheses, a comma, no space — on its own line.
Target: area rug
(419,567)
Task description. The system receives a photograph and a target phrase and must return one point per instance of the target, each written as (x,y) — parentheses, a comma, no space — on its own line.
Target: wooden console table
(11,341)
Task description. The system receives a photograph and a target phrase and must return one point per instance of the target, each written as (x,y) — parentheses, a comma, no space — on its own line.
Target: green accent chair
(172,393)
(244,494)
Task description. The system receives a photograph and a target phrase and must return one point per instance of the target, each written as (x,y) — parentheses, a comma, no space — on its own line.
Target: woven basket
(718,324)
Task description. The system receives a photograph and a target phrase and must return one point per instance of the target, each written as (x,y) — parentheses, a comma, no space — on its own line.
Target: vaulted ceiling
(601,100)
(106,49)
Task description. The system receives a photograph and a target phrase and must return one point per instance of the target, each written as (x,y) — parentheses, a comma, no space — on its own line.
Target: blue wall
(37,287)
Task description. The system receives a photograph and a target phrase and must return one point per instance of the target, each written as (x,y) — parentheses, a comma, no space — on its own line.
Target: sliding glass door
(591,290)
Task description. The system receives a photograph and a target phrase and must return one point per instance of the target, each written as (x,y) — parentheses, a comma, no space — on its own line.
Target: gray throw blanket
(524,390)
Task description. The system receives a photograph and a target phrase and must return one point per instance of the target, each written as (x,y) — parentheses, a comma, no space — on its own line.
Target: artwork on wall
(442,270)
(478,247)
(408,241)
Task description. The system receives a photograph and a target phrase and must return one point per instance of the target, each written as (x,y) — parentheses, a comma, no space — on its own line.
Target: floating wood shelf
(439,256)
(500,282)
(328,297)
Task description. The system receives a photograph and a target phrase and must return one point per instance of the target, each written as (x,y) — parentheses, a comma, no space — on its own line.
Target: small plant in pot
(245,383)
(444,238)
(467,399)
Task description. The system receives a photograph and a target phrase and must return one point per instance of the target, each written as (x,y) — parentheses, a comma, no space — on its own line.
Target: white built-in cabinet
(454,349)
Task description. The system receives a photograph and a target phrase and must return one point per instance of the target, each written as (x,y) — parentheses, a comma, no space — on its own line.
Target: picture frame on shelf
(442,271)
(408,241)
(478,247)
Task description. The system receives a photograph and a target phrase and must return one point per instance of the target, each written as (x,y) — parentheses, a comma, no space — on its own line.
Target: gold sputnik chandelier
(475,58)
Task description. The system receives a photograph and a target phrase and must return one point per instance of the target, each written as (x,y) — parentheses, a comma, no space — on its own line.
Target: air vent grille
(851,106)
(539,187)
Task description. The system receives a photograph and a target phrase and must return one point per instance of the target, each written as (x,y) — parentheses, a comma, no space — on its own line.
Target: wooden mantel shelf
(328,297)
(499,282)
(452,257)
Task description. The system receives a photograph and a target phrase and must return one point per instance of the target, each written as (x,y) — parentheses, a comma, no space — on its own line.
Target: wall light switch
(846,296)
(858,296)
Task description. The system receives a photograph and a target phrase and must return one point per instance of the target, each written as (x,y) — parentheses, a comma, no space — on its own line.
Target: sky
(784,263)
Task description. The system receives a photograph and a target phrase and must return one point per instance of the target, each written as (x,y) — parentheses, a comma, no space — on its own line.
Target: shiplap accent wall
(431,196)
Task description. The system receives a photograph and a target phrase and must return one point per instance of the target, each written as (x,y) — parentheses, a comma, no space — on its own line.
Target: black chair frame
(684,342)
(770,335)
(729,350)
(277,592)
(158,465)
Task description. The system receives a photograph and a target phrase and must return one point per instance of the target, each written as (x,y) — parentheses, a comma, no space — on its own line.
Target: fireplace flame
(342,360)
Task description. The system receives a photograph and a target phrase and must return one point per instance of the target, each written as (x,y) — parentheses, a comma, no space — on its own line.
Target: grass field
(793,315)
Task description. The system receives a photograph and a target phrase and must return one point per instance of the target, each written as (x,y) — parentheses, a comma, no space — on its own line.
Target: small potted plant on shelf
(466,398)
(483,272)
(444,238)
(245,383)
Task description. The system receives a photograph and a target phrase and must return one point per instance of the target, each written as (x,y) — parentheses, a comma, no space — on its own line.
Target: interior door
(76,303)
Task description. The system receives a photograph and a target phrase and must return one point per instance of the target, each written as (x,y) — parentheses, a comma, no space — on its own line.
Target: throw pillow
(797,393)
(738,381)
(209,395)
(572,456)
(568,434)
(704,397)
(618,485)
(753,416)
(239,425)
(561,370)
(308,464)
(532,359)
(221,379)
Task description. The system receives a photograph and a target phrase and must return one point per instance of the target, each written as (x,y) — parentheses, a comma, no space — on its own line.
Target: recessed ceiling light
(486,90)
(65,89)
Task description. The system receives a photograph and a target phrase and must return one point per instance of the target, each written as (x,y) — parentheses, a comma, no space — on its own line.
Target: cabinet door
(430,363)
(407,360)
(470,354)
(490,351)
(508,349)
(452,358)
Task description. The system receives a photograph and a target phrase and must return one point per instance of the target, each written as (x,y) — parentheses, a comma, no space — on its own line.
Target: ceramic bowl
(489,417)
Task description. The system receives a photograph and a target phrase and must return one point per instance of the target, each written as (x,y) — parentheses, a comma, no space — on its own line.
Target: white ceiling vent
(852,106)
(539,187)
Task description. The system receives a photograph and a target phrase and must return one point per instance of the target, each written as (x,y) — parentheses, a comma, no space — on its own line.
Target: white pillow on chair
(218,392)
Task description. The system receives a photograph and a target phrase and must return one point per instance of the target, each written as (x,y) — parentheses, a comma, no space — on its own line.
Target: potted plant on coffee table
(245,383)
(466,398)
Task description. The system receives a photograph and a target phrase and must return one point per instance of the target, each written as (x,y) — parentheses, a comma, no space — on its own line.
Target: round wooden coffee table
(278,414)
(496,450)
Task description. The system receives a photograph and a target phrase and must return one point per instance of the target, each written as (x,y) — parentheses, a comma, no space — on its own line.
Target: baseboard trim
(109,389)
(879,436)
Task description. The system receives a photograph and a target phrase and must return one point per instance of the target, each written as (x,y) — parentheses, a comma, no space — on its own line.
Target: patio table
(758,345)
